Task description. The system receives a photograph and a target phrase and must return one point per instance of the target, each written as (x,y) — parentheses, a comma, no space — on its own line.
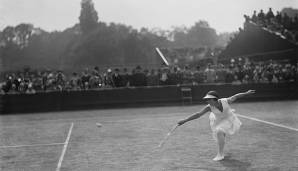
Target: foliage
(88,17)
(92,43)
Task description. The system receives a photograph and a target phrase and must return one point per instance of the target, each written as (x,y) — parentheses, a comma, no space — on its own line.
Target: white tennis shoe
(218,157)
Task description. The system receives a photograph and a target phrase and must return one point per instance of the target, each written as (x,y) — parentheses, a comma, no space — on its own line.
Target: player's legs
(220,137)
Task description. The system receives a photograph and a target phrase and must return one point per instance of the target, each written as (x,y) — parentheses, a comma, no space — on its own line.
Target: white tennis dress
(225,121)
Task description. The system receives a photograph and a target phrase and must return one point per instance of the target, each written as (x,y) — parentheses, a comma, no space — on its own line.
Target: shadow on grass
(234,164)
(229,163)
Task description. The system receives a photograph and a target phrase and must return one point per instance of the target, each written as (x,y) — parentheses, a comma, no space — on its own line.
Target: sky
(222,15)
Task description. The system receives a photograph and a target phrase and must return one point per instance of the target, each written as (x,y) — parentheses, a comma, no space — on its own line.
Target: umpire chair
(186,95)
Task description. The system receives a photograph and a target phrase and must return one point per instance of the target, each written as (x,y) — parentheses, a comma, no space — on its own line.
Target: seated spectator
(22,87)
(30,89)
(245,79)
(67,86)
(13,89)
(229,76)
(236,81)
(274,79)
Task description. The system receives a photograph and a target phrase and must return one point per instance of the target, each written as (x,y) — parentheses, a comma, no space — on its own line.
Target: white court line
(269,123)
(64,148)
(32,145)
(182,114)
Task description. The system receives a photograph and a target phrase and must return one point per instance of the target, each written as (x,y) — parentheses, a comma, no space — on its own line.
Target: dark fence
(136,97)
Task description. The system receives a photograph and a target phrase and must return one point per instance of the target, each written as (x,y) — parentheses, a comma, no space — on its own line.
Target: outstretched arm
(239,95)
(195,116)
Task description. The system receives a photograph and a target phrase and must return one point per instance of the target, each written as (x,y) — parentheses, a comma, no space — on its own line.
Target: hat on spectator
(211,95)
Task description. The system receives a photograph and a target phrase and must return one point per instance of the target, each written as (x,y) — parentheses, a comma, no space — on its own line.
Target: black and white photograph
(148,85)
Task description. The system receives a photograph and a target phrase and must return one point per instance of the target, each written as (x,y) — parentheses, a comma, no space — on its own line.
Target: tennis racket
(167,136)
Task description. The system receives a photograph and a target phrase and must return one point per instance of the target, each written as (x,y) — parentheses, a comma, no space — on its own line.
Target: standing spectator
(286,21)
(117,79)
(95,80)
(85,79)
(269,15)
(60,80)
(254,17)
(187,75)
(44,80)
(278,17)
(261,17)
(75,81)
(138,78)
(198,76)
(8,84)
(221,74)
(107,79)
(16,81)
(164,76)
(175,77)
(125,77)
(152,78)
(1,89)
(295,22)
(95,71)
(239,72)
(210,74)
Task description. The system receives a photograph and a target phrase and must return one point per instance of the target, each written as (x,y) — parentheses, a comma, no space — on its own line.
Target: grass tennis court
(127,140)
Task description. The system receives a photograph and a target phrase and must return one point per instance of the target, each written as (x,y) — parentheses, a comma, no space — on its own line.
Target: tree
(88,18)
(23,33)
(201,34)
(8,34)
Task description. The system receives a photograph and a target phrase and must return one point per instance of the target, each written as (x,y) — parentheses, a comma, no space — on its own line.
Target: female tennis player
(222,118)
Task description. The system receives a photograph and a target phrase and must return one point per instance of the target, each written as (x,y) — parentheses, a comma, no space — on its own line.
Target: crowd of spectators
(280,23)
(236,72)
